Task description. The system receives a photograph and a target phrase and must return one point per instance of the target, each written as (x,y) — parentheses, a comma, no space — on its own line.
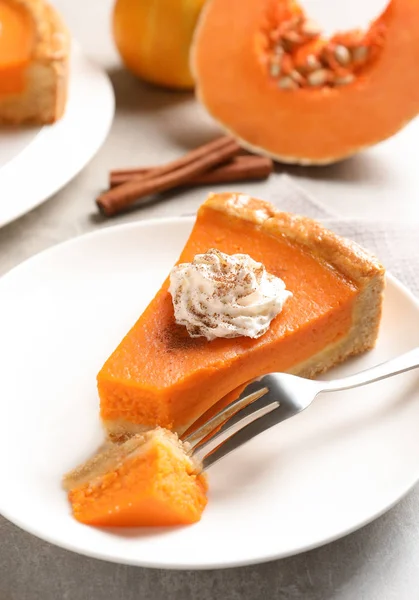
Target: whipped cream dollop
(222,295)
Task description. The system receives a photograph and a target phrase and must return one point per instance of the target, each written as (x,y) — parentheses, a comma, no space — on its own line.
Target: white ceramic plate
(36,162)
(305,482)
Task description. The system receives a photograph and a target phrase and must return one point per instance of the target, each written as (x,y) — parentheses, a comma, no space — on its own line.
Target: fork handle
(405,362)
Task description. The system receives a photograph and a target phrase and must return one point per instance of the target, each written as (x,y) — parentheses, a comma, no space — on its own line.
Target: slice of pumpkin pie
(34,56)
(255,291)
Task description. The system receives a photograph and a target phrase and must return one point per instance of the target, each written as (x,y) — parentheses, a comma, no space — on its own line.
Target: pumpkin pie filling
(17,39)
(159,375)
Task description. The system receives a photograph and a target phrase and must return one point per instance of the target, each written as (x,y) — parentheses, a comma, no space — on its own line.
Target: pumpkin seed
(318,77)
(296,76)
(275,69)
(312,63)
(360,53)
(331,63)
(287,83)
(345,80)
(292,37)
(310,28)
(342,55)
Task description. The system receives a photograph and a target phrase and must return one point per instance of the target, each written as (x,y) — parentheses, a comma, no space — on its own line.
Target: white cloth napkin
(395,245)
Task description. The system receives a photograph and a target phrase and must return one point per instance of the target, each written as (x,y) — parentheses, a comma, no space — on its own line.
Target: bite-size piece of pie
(148,480)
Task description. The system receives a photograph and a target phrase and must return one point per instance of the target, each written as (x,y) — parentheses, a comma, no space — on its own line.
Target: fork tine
(274,406)
(211,427)
(203,451)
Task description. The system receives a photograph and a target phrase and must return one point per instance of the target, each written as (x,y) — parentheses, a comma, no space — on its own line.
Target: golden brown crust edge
(45,95)
(345,256)
(52,38)
(111,456)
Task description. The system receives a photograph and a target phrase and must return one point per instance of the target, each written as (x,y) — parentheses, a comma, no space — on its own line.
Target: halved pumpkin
(266,74)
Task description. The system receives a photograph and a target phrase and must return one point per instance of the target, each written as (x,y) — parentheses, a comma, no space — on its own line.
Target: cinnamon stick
(240,168)
(173,174)
(243,168)
(186,159)
(179,162)
(123,175)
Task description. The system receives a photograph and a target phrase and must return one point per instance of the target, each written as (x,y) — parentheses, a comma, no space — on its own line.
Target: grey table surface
(380,561)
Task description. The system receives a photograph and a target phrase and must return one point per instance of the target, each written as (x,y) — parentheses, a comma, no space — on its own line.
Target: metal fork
(272,399)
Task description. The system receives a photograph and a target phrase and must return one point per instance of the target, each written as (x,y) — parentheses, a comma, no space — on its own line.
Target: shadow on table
(194,127)
(181,120)
(132,94)
(364,168)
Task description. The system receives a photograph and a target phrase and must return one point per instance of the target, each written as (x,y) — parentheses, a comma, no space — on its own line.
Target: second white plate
(310,480)
(36,162)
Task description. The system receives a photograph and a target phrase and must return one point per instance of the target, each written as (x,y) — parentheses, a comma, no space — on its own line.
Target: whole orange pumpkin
(153,38)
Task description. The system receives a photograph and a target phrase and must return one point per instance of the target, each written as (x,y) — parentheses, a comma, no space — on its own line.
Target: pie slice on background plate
(159,375)
(34,61)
